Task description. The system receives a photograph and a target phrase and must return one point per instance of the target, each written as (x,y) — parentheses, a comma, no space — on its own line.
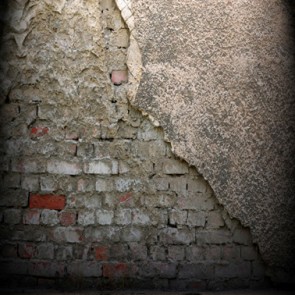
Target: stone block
(221,236)
(67,234)
(138,251)
(131,234)
(195,201)
(26,250)
(258,269)
(230,252)
(195,253)
(123,216)
(64,253)
(12,216)
(30,183)
(85,185)
(11,180)
(198,185)
(196,219)
(104,217)
(179,185)
(214,220)
(176,253)
(118,252)
(102,253)
(233,270)
(170,236)
(212,253)
(49,217)
(177,217)
(162,184)
(249,253)
(27,166)
(242,236)
(158,253)
(103,167)
(104,185)
(196,271)
(14,198)
(8,250)
(86,217)
(172,166)
(140,217)
(48,183)
(63,167)
(84,269)
(45,251)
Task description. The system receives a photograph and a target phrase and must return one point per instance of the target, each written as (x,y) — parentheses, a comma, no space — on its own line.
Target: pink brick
(119,77)
(31,217)
(67,218)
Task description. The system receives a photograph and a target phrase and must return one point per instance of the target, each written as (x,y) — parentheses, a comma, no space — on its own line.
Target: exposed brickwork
(92,194)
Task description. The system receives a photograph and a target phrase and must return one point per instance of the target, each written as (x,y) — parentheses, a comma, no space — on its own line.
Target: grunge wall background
(92,194)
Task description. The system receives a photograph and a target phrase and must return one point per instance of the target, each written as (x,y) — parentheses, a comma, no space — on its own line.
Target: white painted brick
(104,217)
(63,167)
(104,167)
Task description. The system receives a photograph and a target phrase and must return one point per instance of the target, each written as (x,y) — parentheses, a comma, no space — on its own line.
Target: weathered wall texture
(219,78)
(91,194)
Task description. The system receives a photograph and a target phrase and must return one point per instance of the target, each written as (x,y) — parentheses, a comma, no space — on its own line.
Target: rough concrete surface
(218,77)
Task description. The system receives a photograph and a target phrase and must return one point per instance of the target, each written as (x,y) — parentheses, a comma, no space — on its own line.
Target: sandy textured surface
(218,76)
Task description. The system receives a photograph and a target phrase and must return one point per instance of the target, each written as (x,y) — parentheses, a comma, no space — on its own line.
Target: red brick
(31,217)
(67,218)
(101,253)
(39,131)
(56,202)
(27,250)
(116,270)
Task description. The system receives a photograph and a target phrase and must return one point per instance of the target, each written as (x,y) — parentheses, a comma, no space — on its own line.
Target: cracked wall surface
(218,77)
(91,193)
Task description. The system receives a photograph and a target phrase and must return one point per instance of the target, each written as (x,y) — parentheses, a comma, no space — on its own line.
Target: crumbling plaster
(218,77)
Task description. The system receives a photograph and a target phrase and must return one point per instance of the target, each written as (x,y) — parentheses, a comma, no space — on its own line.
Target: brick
(14,198)
(104,217)
(39,131)
(230,252)
(46,269)
(123,216)
(4,164)
(27,166)
(128,184)
(119,252)
(176,236)
(214,220)
(196,270)
(212,253)
(177,217)
(103,167)
(28,233)
(195,253)
(221,236)
(67,234)
(121,39)
(49,217)
(64,253)
(242,236)
(140,217)
(233,270)
(162,184)
(11,180)
(101,253)
(131,234)
(138,251)
(67,218)
(116,270)
(171,166)
(27,250)
(176,253)
(12,216)
(57,202)
(30,183)
(249,253)
(84,269)
(119,76)
(86,217)
(196,219)
(85,185)
(48,183)
(103,185)
(63,167)
(197,185)
(14,268)
(195,201)
(95,235)
(8,250)
(31,216)
(45,251)
(158,253)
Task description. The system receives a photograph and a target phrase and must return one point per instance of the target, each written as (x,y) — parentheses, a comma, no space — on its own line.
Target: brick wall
(91,194)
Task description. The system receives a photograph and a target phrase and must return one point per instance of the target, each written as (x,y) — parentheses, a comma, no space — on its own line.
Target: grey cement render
(218,77)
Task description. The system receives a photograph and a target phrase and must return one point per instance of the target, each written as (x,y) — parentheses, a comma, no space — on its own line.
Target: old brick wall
(91,194)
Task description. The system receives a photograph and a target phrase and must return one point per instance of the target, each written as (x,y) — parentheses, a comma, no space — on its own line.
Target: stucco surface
(218,77)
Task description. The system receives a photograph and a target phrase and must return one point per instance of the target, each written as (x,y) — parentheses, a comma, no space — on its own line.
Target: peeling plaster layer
(218,76)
